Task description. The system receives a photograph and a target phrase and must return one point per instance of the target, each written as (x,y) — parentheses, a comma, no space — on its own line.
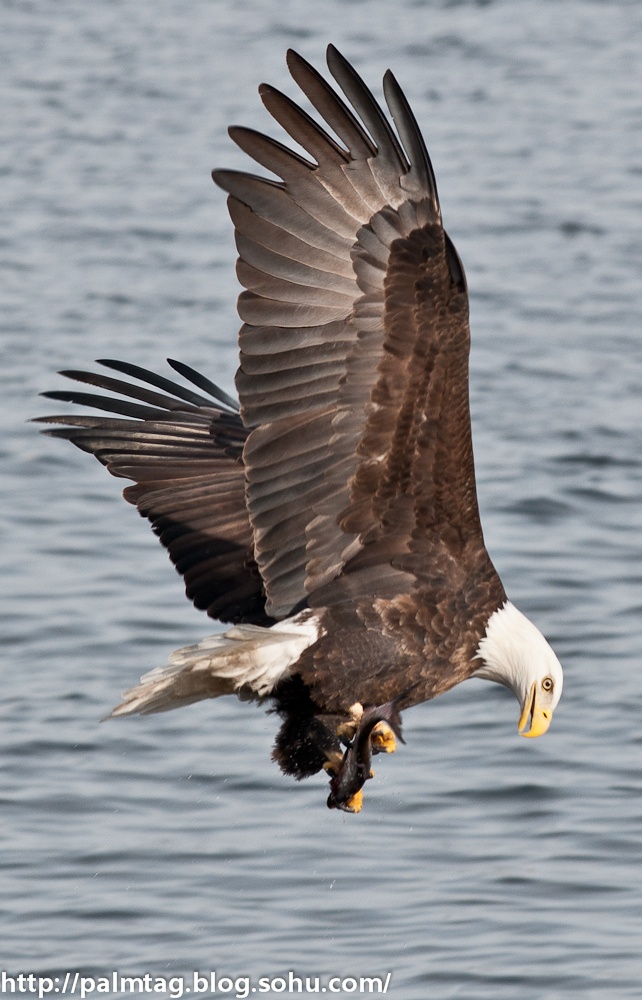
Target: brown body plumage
(342,498)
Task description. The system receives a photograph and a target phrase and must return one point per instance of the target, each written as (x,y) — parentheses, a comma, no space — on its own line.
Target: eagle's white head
(515,653)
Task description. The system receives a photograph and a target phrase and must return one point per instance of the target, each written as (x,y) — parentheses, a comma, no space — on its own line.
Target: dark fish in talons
(351,774)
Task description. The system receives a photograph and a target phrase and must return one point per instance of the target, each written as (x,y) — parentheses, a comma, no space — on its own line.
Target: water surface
(482,865)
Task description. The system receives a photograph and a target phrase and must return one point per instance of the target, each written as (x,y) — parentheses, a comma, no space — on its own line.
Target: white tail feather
(246,658)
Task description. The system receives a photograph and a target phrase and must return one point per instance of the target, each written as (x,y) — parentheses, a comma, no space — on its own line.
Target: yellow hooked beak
(540,717)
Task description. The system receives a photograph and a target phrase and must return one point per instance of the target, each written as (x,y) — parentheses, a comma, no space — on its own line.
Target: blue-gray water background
(482,865)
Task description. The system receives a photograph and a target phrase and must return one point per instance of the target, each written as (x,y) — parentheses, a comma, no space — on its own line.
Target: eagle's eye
(547,684)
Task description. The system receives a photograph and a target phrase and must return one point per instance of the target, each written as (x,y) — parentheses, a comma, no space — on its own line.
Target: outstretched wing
(183,450)
(354,349)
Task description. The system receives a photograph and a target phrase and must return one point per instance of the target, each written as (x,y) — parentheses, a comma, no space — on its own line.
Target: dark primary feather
(183,451)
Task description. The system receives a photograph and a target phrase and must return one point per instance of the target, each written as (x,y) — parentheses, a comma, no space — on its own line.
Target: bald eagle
(331,518)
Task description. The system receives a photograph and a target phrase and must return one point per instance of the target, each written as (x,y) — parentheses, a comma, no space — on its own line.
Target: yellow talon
(348,728)
(383,739)
(355,804)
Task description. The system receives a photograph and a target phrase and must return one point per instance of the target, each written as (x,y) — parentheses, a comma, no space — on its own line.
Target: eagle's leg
(383,739)
(375,733)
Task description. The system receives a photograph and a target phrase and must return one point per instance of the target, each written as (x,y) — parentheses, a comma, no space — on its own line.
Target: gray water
(482,865)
